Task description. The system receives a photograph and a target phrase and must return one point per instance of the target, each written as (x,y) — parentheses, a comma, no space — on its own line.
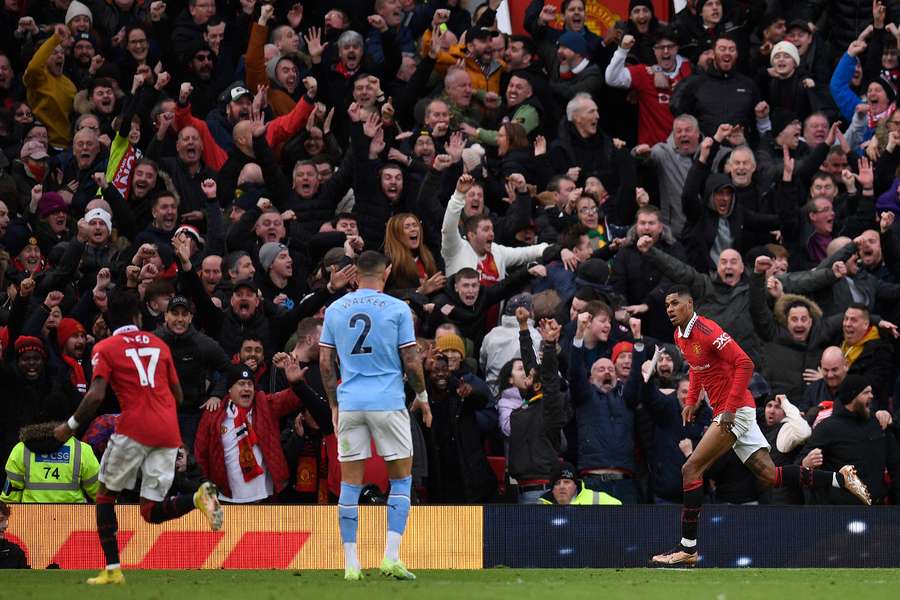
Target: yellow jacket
(49,96)
(585,496)
(66,475)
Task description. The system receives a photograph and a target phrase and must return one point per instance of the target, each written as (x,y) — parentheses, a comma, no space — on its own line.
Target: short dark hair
(341,216)
(864,308)
(471,224)
(4,509)
(371,262)
(252,336)
(122,308)
(798,303)
(467,273)
(665,33)
(572,236)
(587,294)
(307,326)
(595,307)
(681,290)
(526,41)
(164,194)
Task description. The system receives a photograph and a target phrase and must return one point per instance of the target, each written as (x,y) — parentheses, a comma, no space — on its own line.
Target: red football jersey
(717,364)
(139,368)
(654,116)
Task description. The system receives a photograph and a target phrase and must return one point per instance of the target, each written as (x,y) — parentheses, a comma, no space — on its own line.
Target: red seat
(498,465)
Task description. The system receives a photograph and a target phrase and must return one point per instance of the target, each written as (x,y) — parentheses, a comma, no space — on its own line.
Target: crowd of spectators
(537,195)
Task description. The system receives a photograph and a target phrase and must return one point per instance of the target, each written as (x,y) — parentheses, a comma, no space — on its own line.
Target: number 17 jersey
(367,328)
(139,368)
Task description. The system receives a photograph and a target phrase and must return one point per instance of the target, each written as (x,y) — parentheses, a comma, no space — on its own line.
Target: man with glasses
(654,84)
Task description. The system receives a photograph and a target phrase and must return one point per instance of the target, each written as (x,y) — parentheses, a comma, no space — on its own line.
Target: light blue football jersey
(367,329)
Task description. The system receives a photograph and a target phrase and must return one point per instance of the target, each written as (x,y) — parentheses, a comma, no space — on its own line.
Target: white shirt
(258,488)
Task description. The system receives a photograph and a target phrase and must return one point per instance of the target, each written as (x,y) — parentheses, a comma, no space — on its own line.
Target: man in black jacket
(721,95)
(636,278)
(850,436)
(196,357)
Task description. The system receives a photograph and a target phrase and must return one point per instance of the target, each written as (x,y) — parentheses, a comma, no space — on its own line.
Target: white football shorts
(125,458)
(749,436)
(389,429)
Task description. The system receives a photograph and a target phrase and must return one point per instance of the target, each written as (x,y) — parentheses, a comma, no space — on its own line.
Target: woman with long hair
(412,264)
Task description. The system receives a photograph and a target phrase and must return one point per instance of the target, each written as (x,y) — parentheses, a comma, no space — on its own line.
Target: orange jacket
(255,61)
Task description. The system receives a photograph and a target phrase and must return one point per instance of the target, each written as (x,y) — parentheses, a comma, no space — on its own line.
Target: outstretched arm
(85,411)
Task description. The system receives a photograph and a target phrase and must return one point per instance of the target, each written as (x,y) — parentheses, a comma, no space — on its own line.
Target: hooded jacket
(705,227)
(786,358)
(847,439)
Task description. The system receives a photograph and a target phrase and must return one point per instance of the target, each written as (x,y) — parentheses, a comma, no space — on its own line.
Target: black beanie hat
(887,87)
(646,3)
(851,388)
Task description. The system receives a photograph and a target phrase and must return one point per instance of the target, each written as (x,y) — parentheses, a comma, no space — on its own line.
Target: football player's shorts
(749,436)
(389,429)
(125,458)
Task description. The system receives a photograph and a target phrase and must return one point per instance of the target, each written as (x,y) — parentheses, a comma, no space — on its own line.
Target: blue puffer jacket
(844,97)
(605,420)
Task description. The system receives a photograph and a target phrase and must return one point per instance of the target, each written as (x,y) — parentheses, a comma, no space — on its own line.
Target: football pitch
(520,584)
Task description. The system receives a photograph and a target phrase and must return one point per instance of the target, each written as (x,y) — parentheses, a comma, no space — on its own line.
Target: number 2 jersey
(367,329)
(139,368)
(717,364)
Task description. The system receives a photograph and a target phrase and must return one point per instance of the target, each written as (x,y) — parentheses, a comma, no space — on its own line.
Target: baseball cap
(191,231)
(34,150)
(235,92)
(247,283)
(479,33)
(799,24)
(523,300)
(179,301)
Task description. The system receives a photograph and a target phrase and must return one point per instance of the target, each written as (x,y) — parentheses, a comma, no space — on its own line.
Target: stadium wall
(468,537)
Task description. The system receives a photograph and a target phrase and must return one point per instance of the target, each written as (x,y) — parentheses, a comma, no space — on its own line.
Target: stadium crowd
(227,160)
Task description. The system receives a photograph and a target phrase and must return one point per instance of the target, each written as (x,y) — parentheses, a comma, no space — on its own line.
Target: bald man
(824,382)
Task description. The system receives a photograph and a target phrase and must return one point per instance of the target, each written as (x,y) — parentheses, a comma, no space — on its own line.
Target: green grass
(520,584)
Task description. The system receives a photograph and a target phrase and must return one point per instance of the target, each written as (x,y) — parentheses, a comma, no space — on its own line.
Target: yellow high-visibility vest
(69,474)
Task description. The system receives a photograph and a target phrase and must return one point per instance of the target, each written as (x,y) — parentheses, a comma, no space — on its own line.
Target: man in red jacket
(238,443)
(718,365)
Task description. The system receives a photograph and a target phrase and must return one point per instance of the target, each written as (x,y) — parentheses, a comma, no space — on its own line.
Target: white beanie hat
(99,213)
(472,157)
(77,9)
(788,48)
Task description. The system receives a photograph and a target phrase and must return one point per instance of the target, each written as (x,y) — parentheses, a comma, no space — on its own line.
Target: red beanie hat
(620,348)
(67,328)
(27,343)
